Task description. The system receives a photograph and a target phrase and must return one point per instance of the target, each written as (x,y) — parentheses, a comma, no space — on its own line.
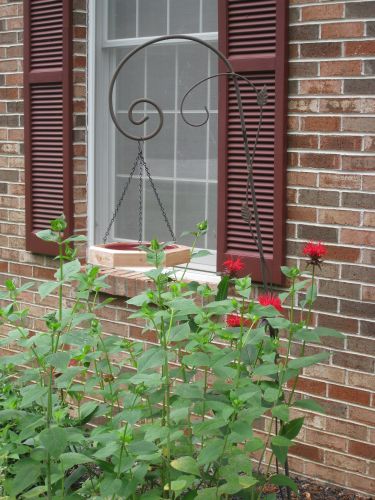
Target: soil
(308,490)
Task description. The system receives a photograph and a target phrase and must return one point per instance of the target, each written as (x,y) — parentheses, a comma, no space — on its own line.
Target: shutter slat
(251,29)
(48,116)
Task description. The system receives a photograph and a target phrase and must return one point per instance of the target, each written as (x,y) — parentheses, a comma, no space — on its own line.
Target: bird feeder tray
(122,254)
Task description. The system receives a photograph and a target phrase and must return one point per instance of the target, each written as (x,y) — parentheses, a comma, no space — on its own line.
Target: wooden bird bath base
(122,254)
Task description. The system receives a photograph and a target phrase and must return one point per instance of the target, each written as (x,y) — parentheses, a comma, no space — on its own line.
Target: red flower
(315,251)
(233,266)
(73,362)
(268,299)
(235,320)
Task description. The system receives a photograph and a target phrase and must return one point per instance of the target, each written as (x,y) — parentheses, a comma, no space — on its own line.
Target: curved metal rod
(250,190)
(231,74)
(143,100)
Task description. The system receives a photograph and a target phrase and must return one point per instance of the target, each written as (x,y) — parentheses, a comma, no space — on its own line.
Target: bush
(87,415)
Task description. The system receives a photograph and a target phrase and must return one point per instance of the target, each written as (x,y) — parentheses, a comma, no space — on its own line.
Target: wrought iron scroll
(251,217)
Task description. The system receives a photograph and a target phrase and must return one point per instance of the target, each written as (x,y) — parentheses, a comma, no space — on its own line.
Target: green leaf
(271,394)
(305,361)
(47,235)
(75,238)
(210,452)
(54,440)
(222,289)
(279,323)
(308,404)
(68,270)
(281,480)
(153,357)
(32,394)
(47,288)
(27,474)
(322,331)
(292,428)
(207,494)
(59,360)
(200,253)
(35,492)
(254,444)
(266,369)
(281,441)
(196,359)
(70,459)
(281,412)
(186,464)
(180,332)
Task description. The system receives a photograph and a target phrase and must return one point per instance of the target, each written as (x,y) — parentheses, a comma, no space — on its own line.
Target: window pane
(155,226)
(191,147)
(161,75)
(152,17)
(126,224)
(121,19)
(184,16)
(190,208)
(130,83)
(160,149)
(212,216)
(192,67)
(209,15)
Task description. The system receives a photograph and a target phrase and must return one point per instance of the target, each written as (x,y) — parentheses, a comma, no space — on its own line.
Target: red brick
(360,48)
(20,269)
(303,141)
(345,428)
(358,237)
(342,217)
(353,361)
(343,254)
(321,123)
(368,294)
(368,183)
(342,105)
(320,160)
(310,386)
(360,483)
(366,381)
(345,462)
(306,214)
(363,415)
(369,143)
(324,372)
(301,179)
(359,163)
(369,219)
(341,142)
(304,69)
(318,12)
(342,30)
(349,394)
(306,451)
(340,68)
(320,87)
(358,124)
(303,105)
(362,449)
(340,181)
(325,440)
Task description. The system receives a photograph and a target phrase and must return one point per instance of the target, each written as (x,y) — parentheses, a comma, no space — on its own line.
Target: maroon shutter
(252,34)
(48,116)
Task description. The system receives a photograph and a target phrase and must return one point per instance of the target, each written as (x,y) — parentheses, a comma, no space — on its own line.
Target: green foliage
(98,416)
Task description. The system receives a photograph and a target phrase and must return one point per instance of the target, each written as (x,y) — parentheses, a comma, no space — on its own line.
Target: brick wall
(330,197)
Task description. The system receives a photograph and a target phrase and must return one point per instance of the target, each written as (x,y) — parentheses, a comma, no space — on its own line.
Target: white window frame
(95,8)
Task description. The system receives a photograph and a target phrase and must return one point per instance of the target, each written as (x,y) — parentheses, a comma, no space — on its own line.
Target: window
(182,159)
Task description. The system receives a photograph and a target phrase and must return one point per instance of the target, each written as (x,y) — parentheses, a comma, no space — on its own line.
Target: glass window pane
(126,224)
(155,226)
(191,147)
(160,149)
(209,15)
(130,83)
(212,154)
(190,208)
(152,17)
(184,16)
(126,149)
(161,75)
(192,67)
(212,216)
(121,19)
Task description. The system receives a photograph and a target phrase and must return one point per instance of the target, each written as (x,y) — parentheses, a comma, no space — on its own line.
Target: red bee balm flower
(235,320)
(268,299)
(233,266)
(315,251)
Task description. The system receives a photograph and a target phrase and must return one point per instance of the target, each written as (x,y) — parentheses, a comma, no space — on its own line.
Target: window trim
(92,84)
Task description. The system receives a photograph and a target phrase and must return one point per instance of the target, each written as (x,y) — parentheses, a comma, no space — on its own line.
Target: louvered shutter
(48,116)
(252,34)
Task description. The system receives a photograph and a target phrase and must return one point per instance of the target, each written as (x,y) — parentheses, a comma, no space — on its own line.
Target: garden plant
(88,415)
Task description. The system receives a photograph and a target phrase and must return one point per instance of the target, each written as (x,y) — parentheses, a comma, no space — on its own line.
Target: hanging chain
(140,203)
(162,209)
(121,199)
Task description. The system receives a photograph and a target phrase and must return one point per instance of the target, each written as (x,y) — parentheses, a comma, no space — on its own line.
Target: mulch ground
(309,490)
